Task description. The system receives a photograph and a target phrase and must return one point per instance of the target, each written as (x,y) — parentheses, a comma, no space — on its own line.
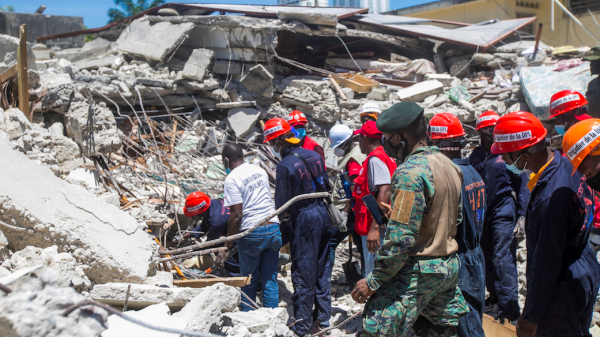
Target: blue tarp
(540,83)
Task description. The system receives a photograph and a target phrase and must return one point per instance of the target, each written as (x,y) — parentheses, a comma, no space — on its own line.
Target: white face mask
(338,152)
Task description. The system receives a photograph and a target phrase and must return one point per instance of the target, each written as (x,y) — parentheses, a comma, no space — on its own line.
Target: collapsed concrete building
(123,128)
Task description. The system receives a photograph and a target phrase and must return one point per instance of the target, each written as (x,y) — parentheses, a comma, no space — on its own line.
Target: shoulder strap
(318,185)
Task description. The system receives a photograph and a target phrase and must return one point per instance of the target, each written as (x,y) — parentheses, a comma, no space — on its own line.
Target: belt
(270,223)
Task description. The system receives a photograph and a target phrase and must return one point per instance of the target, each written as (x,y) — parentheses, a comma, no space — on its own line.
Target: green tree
(129,8)
(7,9)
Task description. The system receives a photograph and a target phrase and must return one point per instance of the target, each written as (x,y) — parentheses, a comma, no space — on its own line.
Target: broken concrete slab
(157,314)
(418,92)
(55,212)
(151,82)
(227,67)
(36,305)
(446,79)
(153,42)
(258,321)
(380,93)
(105,61)
(41,55)
(63,265)
(60,89)
(258,79)
(208,84)
(310,18)
(8,53)
(196,66)
(143,295)
(15,123)
(99,137)
(242,120)
(204,312)
(68,154)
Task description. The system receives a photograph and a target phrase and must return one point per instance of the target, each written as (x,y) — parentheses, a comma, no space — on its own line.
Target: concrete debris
(60,90)
(55,212)
(264,321)
(143,295)
(154,314)
(153,42)
(35,306)
(205,311)
(196,66)
(14,123)
(8,48)
(420,91)
(242,120)
(258,79)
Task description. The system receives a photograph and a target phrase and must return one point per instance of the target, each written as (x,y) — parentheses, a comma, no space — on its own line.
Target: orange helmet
(565,101)
(445,125)
(277,127)
(488,118)
(196,203)
(582,140)
(297,118)
(516,131)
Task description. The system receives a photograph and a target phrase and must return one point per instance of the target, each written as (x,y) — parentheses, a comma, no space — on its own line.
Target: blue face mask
(513,167)
(227,170)
(560,129)
(301,133)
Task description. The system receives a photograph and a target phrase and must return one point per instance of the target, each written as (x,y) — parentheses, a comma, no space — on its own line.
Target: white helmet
(338,134)
(370,108)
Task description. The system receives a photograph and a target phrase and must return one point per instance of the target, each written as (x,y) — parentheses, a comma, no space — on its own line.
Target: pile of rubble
(128,125)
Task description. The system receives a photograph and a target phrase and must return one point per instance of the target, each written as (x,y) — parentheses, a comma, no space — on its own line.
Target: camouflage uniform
(408,286)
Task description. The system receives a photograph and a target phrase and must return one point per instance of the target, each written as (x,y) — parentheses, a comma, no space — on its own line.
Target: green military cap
(398,117)
(594,54)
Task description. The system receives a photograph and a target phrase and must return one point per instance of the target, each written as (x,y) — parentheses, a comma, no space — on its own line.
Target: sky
(94,11)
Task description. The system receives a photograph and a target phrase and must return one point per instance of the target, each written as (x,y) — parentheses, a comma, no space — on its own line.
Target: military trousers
(425,286)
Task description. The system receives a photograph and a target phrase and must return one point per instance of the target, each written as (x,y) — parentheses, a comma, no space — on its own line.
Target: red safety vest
(310,144)
(361,188)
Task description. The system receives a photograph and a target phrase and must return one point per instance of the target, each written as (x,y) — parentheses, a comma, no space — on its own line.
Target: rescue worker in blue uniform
(448,134)
(299,172)
(212,218)
(562,272)
(498,240)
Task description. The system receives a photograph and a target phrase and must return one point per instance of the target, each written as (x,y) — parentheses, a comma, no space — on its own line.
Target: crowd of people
(447,226)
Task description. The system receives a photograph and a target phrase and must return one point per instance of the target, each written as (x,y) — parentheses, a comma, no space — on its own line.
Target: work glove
(343,228)
(520,227)
(178,239)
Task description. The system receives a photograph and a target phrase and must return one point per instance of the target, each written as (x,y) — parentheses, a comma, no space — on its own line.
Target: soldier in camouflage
(415,280)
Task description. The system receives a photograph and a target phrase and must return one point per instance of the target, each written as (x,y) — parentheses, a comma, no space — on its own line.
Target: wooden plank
(494,328)
(337,88)
(207,282)
(22,70)
(9,73)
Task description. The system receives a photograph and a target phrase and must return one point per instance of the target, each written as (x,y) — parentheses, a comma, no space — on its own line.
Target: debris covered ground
(125,127)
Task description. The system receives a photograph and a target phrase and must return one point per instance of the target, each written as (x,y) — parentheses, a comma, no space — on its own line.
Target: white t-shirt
(248,185)
(379,174)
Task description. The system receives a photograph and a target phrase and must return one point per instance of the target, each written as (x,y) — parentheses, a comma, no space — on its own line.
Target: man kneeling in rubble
(249,200)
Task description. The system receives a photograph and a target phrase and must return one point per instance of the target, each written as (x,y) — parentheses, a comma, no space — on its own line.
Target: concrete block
(8,52)
(348,92)
(446,79)
(105,61)
(143,295)
(15,123)
(151,82)
(199,61)
(41,55)
(227,67)
(153,42)
(242,120)
(231,105)
(378,94)
(418,92)
(258,79)
(206,309)
(258,321)
(157,314)
(208,84)
(100,138)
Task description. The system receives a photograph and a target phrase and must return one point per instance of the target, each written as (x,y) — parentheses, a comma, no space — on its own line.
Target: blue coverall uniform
(214,225)
(309,236)
(498,241)
(562,272)
(471,278)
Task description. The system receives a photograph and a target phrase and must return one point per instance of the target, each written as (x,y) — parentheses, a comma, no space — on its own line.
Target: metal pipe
(552,15)
(241,235)
(192,254)
(576,20)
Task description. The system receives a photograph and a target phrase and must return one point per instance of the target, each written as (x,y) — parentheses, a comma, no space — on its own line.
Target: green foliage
(7,9)
(129,8)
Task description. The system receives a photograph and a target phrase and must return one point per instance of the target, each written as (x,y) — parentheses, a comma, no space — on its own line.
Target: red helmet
(196,203)
(565,101)
(445,125)
(297,118)
(278,127)
(516,131)
(488,118)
